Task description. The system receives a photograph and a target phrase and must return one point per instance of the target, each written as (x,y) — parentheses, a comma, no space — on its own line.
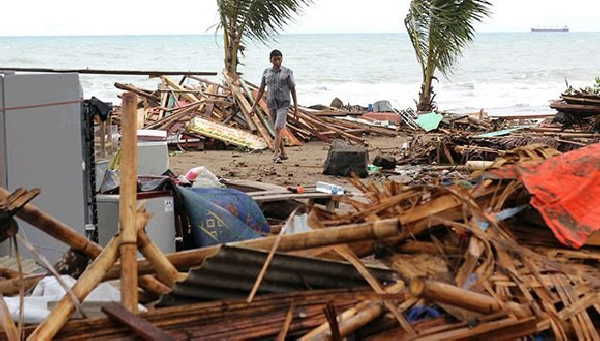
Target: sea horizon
(274,37)
(501,72)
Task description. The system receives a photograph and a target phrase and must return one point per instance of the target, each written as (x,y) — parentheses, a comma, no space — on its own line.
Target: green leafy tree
(243,20)
(439,31)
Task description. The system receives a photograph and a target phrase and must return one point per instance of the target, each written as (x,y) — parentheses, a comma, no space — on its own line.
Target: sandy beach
(304,167)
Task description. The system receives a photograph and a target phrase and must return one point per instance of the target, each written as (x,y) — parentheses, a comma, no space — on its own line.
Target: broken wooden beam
(141,327)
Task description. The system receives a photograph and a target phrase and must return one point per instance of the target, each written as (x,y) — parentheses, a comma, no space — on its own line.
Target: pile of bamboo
(229,104)
(474,272)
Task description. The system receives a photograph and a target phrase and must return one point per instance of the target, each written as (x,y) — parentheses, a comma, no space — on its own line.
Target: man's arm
(293,90)
(292,85)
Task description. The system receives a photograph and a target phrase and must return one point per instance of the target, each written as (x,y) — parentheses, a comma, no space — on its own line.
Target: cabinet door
(44,150)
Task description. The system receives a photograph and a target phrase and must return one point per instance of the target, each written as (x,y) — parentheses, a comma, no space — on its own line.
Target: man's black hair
(275,53)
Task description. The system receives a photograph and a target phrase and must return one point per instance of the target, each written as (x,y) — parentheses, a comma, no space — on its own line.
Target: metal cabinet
(41,146)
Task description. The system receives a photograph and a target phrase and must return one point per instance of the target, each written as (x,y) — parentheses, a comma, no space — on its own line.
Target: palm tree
(243,20)
(439,30)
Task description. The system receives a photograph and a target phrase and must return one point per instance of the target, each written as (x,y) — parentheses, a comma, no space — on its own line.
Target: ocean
(503,73)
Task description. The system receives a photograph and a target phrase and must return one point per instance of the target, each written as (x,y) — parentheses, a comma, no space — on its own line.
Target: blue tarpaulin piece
(421,312)
(222,216)
(502,132)
(429,121)
(503,215)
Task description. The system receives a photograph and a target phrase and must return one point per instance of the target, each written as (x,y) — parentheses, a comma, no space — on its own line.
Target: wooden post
(127,203)
(90,278)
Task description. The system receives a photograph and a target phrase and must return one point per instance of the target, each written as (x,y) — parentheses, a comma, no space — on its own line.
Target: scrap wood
(286,325)
(331,315)
(265,266)
(263,317)
(347,254)
(138,325)
(359,315)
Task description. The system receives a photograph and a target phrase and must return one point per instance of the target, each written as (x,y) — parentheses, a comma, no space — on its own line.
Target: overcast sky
(118,17)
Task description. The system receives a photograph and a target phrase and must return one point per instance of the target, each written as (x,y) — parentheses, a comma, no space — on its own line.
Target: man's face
(276,61)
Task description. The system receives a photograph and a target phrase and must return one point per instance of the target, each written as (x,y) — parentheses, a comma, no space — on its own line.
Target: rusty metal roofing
(231,273)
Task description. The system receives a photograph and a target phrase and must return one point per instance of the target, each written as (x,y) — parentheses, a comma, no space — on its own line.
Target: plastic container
(325,187)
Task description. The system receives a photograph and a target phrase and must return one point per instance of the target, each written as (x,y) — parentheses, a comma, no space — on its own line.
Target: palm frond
(258,19)
(440,29)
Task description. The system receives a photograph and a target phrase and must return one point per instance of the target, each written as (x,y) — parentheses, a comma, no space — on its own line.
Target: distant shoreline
(219,35)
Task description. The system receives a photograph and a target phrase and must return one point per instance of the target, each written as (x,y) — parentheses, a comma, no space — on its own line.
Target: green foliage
(440,29)
(593,90)
(243,20)
(258,19)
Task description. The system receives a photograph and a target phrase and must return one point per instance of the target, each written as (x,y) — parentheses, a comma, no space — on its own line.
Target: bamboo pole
(355,317)
(300,241)
(165,271)
(11,287)
(43,221)
(127,203)
(90,278)
(8,325)
(346,253)
(472,301)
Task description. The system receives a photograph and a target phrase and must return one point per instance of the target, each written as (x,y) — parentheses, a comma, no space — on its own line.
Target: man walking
(280,83)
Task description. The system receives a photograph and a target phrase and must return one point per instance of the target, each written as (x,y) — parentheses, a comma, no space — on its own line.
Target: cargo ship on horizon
(564,29)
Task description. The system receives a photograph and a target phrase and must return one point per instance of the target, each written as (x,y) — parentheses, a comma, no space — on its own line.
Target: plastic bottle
(325,187)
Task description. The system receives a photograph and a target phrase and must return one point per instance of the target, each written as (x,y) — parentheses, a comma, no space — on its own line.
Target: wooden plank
(138,325)
(187,96)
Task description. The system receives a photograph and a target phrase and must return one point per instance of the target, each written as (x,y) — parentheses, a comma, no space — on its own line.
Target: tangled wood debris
(466,271)
(185,109)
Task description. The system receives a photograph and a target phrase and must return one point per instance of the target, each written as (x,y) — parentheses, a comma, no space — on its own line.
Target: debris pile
(579,108)
(197,108)
(493,256)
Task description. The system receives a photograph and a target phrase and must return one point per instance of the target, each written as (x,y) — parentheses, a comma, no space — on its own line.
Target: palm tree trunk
(231,45)
(425,103)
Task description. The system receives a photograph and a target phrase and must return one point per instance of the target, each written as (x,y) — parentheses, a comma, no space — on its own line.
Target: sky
(118,17)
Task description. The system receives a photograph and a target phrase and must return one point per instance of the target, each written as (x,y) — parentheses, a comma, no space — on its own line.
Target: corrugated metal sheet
(232,273)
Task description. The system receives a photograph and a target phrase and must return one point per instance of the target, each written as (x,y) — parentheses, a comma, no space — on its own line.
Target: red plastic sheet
(566,191)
